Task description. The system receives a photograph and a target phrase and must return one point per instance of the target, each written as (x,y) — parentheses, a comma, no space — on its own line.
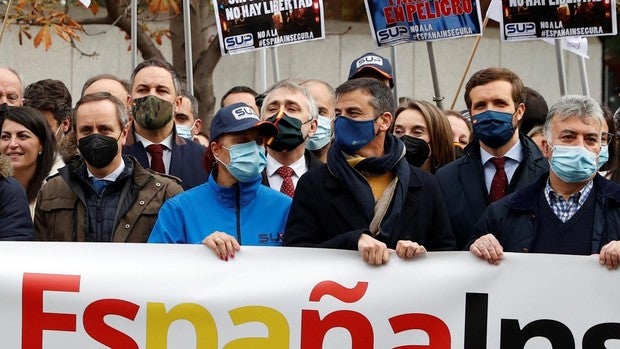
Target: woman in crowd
(28,141)
(232,208)
(427,135)
(15,221)
(461,128)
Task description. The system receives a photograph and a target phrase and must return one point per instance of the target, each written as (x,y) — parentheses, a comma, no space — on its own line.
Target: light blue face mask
(573,164)
(247,161)
(603,156)
(323,134)
(184,131)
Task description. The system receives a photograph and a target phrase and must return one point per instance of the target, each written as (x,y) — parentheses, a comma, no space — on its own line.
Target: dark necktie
(287,184)
(157,157)
(500,180)
(99,184)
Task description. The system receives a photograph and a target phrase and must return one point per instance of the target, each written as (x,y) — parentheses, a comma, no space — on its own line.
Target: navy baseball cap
(239,117)
(374,62)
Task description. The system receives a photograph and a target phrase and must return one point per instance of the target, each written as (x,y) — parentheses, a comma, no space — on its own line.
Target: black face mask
(98,150)
(459,152)
(416,150)
(289,134)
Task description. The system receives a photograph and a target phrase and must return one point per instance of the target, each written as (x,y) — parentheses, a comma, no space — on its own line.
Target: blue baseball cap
(372,61)
(239,117)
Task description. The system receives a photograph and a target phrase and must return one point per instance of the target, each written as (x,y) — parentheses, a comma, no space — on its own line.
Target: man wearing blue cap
(229,210)
(372,65)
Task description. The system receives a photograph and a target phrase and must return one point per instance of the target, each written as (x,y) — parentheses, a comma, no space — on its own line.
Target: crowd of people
(306,164)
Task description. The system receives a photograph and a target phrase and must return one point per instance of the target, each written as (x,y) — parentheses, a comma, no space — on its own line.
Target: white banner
(125,296)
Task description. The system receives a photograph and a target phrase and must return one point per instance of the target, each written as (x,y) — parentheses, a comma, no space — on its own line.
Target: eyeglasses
(606,138)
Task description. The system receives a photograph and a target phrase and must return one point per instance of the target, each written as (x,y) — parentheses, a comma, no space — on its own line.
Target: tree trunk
(205,55)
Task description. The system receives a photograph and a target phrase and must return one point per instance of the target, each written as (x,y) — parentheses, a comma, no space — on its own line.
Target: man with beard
(155,93)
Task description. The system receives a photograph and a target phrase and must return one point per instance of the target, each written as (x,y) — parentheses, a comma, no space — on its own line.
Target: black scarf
(393,160)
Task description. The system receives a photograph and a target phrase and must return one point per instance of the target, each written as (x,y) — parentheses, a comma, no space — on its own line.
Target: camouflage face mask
(152,112)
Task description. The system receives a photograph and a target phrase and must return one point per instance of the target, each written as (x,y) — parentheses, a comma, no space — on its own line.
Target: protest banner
(246,25)
(529,19)
(88,295)
(399,21)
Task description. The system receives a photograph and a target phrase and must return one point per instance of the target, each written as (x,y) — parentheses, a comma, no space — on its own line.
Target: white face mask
(184,131)
(59,129)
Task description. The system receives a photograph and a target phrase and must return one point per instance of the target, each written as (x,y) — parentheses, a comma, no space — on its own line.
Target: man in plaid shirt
(571,209)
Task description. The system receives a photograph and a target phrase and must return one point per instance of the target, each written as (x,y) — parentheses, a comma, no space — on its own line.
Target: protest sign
(89,295)
(246,25)
(529,19)
(398,21)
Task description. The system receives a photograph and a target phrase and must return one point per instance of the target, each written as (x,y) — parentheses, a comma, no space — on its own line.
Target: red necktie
(500,180)
(287,184)
(157,157)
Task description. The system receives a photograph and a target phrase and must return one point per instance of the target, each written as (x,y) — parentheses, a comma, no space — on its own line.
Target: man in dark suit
(155,93)
(367,197)
(293,110)
(498,161)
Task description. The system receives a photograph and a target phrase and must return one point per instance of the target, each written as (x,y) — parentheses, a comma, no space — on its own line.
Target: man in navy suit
(155,94)
(498,161)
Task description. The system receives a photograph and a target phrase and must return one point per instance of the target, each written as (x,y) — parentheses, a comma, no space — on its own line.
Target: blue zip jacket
(251,212)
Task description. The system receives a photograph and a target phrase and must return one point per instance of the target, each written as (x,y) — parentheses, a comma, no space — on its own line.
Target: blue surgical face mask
(184,131)
(493,128)
(352,135)
(247,161)
(603,156)
(323,134)
(573,164)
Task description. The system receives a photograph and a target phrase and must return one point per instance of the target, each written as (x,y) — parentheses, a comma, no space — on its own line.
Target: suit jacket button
(127,226)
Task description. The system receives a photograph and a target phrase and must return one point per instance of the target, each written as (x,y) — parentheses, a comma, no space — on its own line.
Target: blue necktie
(99,184)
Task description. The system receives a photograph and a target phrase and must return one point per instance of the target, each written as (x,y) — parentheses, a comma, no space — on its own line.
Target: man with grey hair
(105,197)
(571,209)
(293,110)
(367,197)
(11,87)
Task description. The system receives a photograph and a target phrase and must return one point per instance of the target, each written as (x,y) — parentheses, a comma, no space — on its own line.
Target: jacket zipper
(238,212)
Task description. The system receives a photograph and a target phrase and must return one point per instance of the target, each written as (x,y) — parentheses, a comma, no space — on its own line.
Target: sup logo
(239,41)
(392,34)
(244,113)
(520,29)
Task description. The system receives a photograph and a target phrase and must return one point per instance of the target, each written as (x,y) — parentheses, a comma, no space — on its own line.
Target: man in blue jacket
(498,161)
(571,209)
(155,93)
(367,197)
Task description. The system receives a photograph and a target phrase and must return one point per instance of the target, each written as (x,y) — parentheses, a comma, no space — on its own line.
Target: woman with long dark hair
(28,141)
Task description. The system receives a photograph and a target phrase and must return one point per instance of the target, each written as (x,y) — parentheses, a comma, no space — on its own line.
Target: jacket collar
(523,199)
(227,196)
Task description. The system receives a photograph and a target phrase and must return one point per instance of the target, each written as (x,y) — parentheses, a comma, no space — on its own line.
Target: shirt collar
(299,166)
(167,142)
(113,175)
(580,196)
(514,153)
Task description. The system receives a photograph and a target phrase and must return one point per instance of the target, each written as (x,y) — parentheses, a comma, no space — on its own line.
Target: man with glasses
(571,209)
(367,197)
